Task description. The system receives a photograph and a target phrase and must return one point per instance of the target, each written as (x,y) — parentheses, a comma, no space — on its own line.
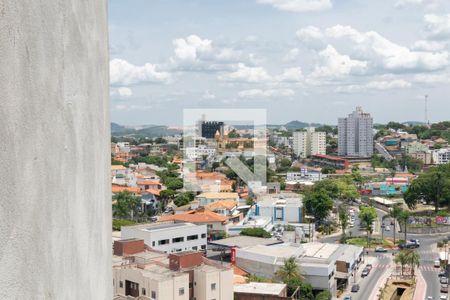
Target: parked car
(444,289)
(369,266)
(442,274)
(414,241)
(348,297)
(387,228)
(365,272)
(380,249)
(355,288)
(443,297)
(437,263)
(443,280)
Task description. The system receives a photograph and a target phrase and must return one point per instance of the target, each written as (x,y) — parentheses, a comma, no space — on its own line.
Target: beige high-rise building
(309,142)
(356,134)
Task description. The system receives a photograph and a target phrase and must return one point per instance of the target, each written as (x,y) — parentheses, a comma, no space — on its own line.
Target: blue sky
(307,60)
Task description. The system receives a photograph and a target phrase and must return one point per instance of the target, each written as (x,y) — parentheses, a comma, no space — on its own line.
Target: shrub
(258,232)
(118,223)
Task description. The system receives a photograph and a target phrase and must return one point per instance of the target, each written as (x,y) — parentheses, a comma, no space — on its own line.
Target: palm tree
(289,270)
(343,218)
(394,213)
(413,260)
(403,218)
(402,259)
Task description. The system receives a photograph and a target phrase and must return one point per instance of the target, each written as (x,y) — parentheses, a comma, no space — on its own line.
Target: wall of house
(55,205)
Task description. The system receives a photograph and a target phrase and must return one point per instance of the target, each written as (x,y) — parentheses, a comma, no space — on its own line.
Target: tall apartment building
(356,134)
(441,156)
(309,142)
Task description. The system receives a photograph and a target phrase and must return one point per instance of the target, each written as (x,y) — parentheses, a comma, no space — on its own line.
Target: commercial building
(169,236)
(309,142)
(441,156)
(209,129)
(281,208)
(179,276)
(355,134)
(261,291)
(324,266)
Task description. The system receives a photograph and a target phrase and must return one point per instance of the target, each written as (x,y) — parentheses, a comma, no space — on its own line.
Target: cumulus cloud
(291,75)
(207,95)
(268,93)
(196,54)
(311,37)
(380,85)
(299,5)
(432,78)
(123,73)
(386,54)
(247,74)
(437,26)
(429,4)
(424,45)
(291,55)
(122,92)
(335,65)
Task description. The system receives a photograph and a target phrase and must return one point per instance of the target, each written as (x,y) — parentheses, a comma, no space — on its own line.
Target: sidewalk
(421,287)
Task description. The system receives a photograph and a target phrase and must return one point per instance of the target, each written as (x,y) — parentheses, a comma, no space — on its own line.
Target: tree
(394,213)
(258,232)
(433,186)
(343,218)
(184,199)
(413,260)
(215,165)
(325,295)
(403,219)
(318,204)
(289,270)
(402,259)
(173,183)
(125,205)
(367,216)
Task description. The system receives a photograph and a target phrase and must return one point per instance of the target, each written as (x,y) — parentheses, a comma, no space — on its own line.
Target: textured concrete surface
(55,207)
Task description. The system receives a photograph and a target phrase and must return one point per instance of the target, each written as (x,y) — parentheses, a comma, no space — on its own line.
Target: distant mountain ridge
(143,131)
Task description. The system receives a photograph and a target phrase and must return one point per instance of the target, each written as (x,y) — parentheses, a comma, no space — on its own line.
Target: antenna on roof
(427,122)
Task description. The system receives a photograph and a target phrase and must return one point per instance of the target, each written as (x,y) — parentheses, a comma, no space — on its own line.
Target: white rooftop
(260,288)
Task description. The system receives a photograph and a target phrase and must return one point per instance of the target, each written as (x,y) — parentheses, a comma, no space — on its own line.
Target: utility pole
(427,122)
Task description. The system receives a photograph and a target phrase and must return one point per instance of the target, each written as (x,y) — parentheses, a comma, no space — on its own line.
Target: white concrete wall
(55,205)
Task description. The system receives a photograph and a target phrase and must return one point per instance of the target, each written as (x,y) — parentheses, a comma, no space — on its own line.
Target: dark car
(355,288)
(365,272)
(442,274)
(444,289)
(369,266)
(409,246)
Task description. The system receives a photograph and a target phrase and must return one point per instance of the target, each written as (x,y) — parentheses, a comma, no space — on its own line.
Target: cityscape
(225,150)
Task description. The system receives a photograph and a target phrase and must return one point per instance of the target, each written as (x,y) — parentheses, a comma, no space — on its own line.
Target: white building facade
(441,156)
(169,237)
(355,134)
(309,142)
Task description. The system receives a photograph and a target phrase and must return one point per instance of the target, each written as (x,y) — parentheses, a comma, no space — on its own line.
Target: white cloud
(291,55)
(383,53)
(336,65)
(291,75)
(437,26)
(124,73)
(380,85)
(269,93)
(432,78)
(122,92)
(311,37)
(424,45)
(196,54)
(429,4)
(247,74)
(207,95)
(299,5)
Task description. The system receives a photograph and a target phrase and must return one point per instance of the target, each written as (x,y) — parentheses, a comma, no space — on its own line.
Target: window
(192,237)
(153,295)
(121,284)
(178,240)
(163,242)
(203,235)
(213,286)
(194,248)
(203,247)
(143,291)
(153,243)
(209,226)
(181,291)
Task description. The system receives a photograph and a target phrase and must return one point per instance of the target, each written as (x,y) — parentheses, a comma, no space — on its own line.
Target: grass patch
(362,242)
(117,223)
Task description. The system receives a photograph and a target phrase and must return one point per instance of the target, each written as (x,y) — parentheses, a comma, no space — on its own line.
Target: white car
(387,228)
